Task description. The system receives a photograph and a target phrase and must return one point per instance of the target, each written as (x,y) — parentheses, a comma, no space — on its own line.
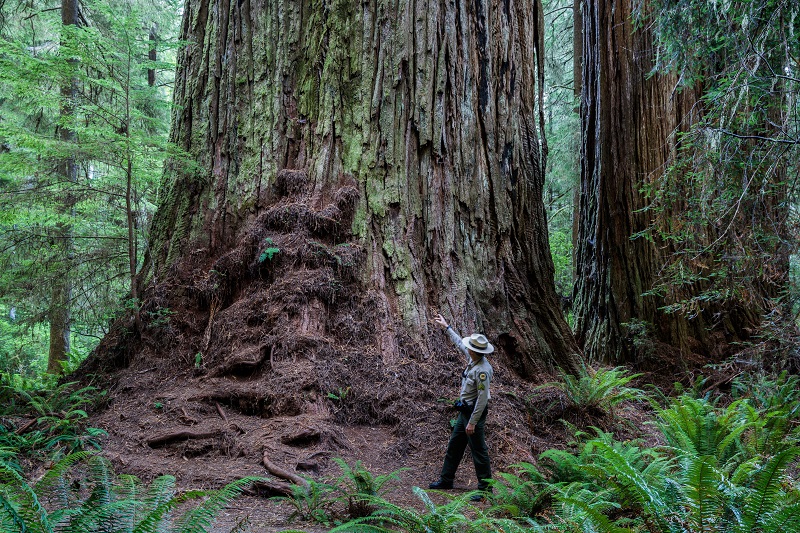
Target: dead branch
(273,487)
(207,334)
(167,438)
(221,412)
(22,429)
(186,418)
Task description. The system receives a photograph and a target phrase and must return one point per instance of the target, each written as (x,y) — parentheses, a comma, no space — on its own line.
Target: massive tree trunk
(628,119)
(432,109)
(631,125)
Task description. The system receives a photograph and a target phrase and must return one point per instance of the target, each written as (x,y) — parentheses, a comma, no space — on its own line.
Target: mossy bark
(432,107)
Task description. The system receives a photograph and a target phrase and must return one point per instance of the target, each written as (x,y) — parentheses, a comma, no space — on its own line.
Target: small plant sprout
(269,251)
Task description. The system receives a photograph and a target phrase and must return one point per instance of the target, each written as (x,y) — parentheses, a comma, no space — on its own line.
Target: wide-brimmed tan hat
(478,343)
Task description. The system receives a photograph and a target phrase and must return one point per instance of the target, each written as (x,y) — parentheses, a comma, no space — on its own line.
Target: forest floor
(161,421)
(272,359)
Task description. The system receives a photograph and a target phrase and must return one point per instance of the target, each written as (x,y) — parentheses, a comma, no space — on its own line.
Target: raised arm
(454,336)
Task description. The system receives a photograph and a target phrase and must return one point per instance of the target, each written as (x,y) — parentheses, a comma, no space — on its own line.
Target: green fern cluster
(60,426)
(356,485)
(313,501)
(81,494)
(352,494)
(723,469)
(454,516)
(596,391)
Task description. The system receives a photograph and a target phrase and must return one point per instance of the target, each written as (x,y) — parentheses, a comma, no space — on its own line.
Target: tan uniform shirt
(475,380)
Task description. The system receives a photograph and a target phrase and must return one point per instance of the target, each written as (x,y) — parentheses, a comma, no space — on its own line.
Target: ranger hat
(478,343)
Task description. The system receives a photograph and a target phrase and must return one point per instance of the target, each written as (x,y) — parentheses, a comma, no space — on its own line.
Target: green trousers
(477,445)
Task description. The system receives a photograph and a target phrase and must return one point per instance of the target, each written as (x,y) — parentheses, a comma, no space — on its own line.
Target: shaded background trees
(83,138)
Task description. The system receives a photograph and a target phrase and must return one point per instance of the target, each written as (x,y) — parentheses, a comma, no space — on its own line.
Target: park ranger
(473,406)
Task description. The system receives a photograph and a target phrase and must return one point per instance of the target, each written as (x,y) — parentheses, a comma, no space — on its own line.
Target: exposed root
(275,470)
(273,488)
(169,438)
(221,412)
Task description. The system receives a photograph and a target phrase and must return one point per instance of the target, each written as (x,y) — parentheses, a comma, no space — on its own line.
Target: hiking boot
(441,485)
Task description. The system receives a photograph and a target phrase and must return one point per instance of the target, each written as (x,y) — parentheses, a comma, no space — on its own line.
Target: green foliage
(696,428)
(356,485)
(313,501)
(715,473)
(562,132)
(269,251)
(60,420)
(447,518)
(339,395)
(522,494)
(596,391)
(725,208)
(78,234)
(83,495)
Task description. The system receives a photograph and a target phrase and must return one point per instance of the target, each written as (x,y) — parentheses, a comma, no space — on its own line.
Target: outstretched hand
(439,319)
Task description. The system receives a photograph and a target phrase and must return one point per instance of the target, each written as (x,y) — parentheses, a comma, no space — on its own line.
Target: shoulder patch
(482,376)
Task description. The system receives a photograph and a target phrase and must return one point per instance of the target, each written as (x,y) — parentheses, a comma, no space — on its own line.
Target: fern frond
(200,518)
(702,492)
(25,499)
(11,519)
(600,522)
(57,472)
(633,485)
(160,491)
(155,519)
(783,520)
(767,487)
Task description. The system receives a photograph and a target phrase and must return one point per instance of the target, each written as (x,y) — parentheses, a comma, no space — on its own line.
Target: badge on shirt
(482,376)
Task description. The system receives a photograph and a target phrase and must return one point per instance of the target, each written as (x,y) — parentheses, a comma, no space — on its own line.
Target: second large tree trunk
(628,119)
(431,108)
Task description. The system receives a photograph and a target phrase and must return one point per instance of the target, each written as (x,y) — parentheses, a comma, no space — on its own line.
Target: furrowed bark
(434,110)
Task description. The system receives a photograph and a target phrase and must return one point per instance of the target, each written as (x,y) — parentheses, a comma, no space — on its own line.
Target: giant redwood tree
(410,130)
(629,120)
(676,246)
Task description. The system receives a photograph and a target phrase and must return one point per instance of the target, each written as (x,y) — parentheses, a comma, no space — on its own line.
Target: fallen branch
(275,470)
(207,334)
(186,418)
(22,429)
(221,412)
(167,438)
(273,487)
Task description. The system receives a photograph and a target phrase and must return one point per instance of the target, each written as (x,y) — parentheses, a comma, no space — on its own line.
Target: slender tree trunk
(152,54)
(59,315)
(434,110)
(577,87)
